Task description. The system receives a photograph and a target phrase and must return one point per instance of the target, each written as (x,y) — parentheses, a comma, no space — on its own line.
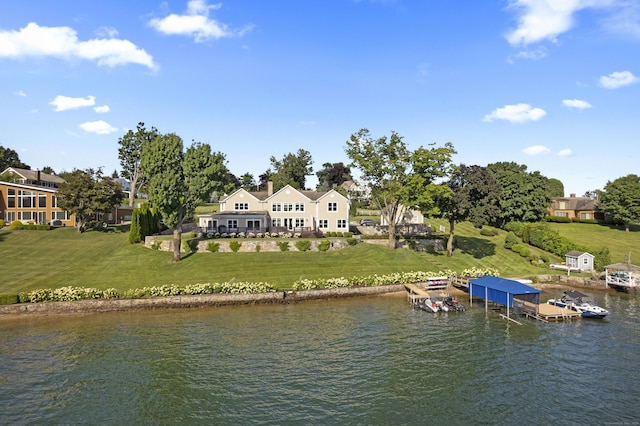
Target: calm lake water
(359,361)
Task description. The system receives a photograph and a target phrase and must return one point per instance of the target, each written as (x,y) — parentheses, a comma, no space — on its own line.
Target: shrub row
(63,294)
(16,225)
(564,219)
(395,278)
(80,293)
(338,234)
(211,235)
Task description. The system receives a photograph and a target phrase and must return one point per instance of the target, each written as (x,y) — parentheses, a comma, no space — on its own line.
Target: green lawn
(619,242)
(62,257)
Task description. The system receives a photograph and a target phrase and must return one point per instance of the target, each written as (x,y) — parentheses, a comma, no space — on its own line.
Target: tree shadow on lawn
(476,247)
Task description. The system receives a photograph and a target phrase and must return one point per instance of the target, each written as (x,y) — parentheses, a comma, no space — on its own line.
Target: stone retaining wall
(248,245)
(188,301)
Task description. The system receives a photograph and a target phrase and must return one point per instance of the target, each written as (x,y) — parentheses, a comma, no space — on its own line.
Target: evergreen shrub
(303,245)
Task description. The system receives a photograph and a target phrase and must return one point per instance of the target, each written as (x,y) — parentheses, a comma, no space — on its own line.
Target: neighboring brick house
(288,209)
(575,207)
(30,197)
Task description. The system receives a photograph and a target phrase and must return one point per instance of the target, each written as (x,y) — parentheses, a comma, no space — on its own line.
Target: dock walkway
(545,312)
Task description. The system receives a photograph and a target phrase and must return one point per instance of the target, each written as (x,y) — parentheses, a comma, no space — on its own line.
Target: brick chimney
(572,195)
(269,188)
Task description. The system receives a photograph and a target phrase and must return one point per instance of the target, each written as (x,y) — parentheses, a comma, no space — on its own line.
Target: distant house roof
(31,176)
(579,203)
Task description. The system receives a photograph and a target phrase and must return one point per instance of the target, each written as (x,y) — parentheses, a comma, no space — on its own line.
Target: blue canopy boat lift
(503,291)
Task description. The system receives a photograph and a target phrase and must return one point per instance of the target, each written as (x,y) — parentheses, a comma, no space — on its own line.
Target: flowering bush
(78,293)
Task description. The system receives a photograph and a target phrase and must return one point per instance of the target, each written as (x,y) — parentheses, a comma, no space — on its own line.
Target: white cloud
(624,19)
(62,42)
(536,150)
(567,152)
(196,23)
(518,113)
(99,127)
(20,93)
(618,79)
(63,103)
(546,19)
(535,54)
(576,103)
(102,109)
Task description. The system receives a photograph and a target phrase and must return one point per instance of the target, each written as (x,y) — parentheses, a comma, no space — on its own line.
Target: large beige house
(30,196)
(288,209)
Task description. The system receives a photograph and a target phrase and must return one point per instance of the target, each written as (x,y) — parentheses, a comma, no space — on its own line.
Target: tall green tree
(332,175)
(130,152)
(620,200)
(398,177)
(248,182)
(525,196)
(292,169)
(556,188)
(180,180)
(86,193)
(474,196)
(10,158)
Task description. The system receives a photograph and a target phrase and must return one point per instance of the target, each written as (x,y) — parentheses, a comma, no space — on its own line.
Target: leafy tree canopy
(130,152)
(332,175)
(10,158)
(292,169)
(556,188)
(620,200)
(180,180)
(248,182)
(87,192)
(398,177)
(525,196)
(474,196)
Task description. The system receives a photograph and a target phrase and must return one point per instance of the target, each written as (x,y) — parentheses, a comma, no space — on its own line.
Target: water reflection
(355,361)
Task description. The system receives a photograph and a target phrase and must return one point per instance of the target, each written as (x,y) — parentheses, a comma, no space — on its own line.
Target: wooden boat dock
(547,313)
(415,293)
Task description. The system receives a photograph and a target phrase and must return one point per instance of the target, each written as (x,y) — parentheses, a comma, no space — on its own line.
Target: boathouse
(502,290)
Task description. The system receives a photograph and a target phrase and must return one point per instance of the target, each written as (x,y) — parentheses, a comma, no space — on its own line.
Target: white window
(299,207)
(342,223)
(241,206)
(323,224)
(26,216)
(42,200)
(60,215)
(276,221)
(287,207)
(332,207)
(54,201)
(26,199)
(232,224)
(276,207)
(11,198)
(299,222)
(10,217)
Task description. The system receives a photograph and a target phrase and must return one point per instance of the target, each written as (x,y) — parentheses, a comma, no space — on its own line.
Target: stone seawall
(188,301)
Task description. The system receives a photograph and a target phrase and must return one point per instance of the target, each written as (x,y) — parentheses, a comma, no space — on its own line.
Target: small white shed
(580,260)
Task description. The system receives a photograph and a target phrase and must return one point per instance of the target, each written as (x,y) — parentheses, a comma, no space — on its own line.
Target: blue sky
(552,84)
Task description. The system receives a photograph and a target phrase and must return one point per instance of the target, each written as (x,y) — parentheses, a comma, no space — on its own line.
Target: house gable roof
(242,191)
(575,253)
(329,193)
(32,175)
